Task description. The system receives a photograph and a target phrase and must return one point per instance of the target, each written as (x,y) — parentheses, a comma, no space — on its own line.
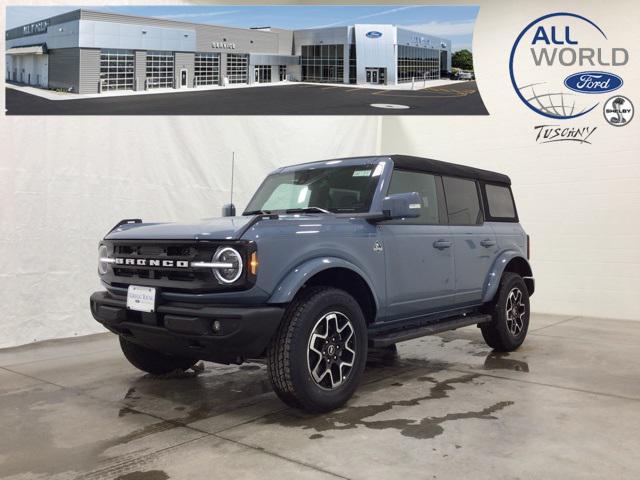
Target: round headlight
(232,257)
(102,254)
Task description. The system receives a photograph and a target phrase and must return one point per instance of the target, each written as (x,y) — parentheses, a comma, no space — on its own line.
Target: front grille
(177,279)
(159,251)
(177,276)
(174,252)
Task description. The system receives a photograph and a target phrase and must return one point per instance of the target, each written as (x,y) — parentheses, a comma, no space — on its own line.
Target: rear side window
(463,204)
(404,181)
(500,202)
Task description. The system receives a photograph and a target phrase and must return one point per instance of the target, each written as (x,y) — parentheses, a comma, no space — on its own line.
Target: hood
(224,228)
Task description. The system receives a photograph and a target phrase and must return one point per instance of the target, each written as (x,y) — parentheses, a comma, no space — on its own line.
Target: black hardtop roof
(446,168)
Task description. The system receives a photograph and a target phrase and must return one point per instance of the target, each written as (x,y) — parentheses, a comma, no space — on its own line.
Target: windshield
(333,189)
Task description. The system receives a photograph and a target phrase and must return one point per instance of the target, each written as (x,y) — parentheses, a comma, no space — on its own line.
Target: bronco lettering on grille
(148,262)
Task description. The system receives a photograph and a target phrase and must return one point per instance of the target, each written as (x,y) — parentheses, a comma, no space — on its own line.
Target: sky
(451,22)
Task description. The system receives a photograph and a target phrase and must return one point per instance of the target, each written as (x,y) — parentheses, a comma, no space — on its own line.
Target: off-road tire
(499,333)
(287,356)
(151,361)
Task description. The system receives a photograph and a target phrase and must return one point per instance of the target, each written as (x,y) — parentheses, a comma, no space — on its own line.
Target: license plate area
(141,299)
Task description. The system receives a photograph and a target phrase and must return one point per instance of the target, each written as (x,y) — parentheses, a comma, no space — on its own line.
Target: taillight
(528,248)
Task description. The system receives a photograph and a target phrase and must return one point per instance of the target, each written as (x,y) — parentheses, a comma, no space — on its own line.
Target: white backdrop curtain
(65,181)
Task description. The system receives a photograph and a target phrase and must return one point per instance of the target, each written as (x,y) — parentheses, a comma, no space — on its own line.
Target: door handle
(441,244)
(487,242)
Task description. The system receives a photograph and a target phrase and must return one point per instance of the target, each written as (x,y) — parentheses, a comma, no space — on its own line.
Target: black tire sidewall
(307,390)
(510,341)
(151,361)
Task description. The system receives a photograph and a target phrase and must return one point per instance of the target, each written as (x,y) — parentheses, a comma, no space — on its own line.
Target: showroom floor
(566,405)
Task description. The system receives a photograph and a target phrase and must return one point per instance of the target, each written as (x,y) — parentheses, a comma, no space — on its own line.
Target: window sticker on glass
(362,173)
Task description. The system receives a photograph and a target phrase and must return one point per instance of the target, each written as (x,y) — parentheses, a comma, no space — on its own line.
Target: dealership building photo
(89,52)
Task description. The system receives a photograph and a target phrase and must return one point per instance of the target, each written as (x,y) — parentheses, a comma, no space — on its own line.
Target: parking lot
(296,99)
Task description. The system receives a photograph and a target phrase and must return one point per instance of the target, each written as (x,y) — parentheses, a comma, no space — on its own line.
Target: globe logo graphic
(550,50)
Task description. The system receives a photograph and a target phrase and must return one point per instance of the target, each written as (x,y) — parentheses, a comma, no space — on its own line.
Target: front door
(372,76)
(418,251)
(183,77)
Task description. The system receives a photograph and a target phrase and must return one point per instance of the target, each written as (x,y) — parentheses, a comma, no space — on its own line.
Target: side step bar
(386,339)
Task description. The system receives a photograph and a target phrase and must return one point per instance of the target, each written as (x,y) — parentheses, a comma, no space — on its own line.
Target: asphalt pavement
(295,99)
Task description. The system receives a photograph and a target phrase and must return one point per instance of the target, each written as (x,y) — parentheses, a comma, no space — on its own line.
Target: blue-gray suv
(329,259)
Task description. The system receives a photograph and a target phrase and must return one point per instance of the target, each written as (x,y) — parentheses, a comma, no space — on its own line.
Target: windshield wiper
(257,212)
(307,210)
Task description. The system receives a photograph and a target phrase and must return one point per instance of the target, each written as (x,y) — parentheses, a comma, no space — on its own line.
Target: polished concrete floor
(566,405)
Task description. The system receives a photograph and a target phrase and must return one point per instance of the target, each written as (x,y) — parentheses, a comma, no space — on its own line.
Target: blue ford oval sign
(374,34)
(593,82)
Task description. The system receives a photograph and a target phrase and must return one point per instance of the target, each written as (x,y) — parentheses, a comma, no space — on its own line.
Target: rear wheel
(318,355)
(151,361)
(510,313)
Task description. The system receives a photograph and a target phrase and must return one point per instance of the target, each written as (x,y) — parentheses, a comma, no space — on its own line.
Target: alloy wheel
(515,311)
(331,350)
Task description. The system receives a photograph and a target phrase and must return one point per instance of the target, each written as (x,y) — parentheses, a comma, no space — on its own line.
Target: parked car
(465,75)
(329,258)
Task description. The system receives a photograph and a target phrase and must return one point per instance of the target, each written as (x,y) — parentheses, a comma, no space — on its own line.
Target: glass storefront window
(352,64)
(263,73)
(418,63)
(323,63)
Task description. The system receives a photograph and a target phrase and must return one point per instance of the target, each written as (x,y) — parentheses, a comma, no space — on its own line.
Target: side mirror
(229,210)
(402,205)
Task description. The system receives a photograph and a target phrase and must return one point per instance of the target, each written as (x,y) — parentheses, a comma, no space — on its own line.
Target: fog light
(217,328)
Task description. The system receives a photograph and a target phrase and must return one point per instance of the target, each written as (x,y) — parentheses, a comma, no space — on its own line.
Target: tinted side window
(500,202)
(463,205)
(403,181)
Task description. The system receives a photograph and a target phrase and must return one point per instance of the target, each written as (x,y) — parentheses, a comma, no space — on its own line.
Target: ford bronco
(329,259)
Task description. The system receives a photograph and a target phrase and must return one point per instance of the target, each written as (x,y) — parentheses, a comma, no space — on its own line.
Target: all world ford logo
(374,34)
(593,82)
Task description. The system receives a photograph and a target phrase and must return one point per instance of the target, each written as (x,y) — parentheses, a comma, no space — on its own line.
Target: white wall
(64,181)
(581,210)
(35,65)
(580,203)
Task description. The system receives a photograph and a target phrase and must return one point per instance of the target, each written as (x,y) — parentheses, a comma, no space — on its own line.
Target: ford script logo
(374,34)
(593,82)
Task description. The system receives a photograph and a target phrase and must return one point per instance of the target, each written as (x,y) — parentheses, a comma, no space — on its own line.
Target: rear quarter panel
(510,236)
(512,243)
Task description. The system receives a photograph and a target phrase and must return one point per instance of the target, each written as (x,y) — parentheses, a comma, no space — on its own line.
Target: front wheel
(510,313)
(318,355)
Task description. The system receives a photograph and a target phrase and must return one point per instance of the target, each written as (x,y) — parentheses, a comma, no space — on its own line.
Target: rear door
(418,251)
(474,241)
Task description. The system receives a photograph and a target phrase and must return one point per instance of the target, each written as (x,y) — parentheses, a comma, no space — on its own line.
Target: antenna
(229,210)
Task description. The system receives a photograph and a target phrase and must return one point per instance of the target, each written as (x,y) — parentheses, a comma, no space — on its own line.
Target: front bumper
(188,329)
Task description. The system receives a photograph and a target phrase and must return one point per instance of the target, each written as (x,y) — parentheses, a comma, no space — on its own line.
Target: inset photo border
(241,60)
